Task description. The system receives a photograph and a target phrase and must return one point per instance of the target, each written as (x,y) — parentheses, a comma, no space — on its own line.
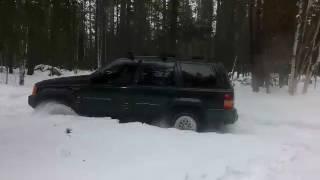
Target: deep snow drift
(277,137)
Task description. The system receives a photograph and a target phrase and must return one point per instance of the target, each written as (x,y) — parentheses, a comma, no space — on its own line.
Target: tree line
(257,36)
(91,33)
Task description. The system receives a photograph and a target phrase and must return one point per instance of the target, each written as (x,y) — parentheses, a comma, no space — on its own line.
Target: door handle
(149,104)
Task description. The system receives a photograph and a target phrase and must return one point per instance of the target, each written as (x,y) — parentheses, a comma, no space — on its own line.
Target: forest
(258,37)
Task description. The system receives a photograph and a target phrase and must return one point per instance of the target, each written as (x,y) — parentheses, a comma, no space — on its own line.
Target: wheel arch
(188,105)
(60,95)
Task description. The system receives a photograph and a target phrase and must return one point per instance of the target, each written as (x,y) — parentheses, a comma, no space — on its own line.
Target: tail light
(34,90)
(228,102)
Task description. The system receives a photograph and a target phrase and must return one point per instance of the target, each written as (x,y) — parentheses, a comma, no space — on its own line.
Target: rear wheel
(186,121)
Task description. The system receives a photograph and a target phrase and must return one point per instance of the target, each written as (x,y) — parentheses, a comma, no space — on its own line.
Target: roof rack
(165,57)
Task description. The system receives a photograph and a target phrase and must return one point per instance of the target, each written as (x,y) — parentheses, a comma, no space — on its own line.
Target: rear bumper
(216,117)
(32,101)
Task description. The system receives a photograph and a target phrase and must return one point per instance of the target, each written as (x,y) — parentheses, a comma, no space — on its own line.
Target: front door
(108,95)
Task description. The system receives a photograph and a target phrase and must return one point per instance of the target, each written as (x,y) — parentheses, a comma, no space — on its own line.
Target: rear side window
(223,81)
(198,76)
(157,74)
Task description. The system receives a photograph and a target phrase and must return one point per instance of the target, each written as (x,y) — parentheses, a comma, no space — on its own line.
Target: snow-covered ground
(277,137)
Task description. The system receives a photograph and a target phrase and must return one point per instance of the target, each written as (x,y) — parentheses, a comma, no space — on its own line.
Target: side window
(121,74)
(223,81)
(198,76)
(157,74)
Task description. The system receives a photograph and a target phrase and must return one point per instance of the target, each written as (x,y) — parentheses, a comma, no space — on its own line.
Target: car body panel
(143,103)
(102,100)
(148,102)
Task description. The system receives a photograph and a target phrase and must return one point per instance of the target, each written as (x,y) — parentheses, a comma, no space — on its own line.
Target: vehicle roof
(168,59)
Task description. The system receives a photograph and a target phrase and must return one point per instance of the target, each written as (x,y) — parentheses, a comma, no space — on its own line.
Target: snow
(276,137)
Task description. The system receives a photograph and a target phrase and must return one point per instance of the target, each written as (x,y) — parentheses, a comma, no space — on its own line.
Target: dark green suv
(188,95)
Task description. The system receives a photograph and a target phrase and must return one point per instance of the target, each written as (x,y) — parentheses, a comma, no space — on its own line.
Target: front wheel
(186,121)
(54,108)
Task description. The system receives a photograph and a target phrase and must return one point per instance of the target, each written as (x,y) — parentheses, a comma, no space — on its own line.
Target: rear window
(203,76)
(222,78)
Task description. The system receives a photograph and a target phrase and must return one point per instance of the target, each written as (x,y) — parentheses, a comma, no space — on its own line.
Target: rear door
(199,81)
(155,87)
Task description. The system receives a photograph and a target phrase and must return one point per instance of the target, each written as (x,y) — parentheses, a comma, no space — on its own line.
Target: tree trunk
(293,79)
(123,29)
(225,32)
(164,27)
(1,62)
(255,44)
(7,75)
(99,24)
(22,73)
(315,81)
(310,71)
(173,26)
(308,76)
(302,57)
(10,63)
(311,67)
(267,83)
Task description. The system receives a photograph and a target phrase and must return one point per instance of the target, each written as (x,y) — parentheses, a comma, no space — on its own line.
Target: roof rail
(165,57)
